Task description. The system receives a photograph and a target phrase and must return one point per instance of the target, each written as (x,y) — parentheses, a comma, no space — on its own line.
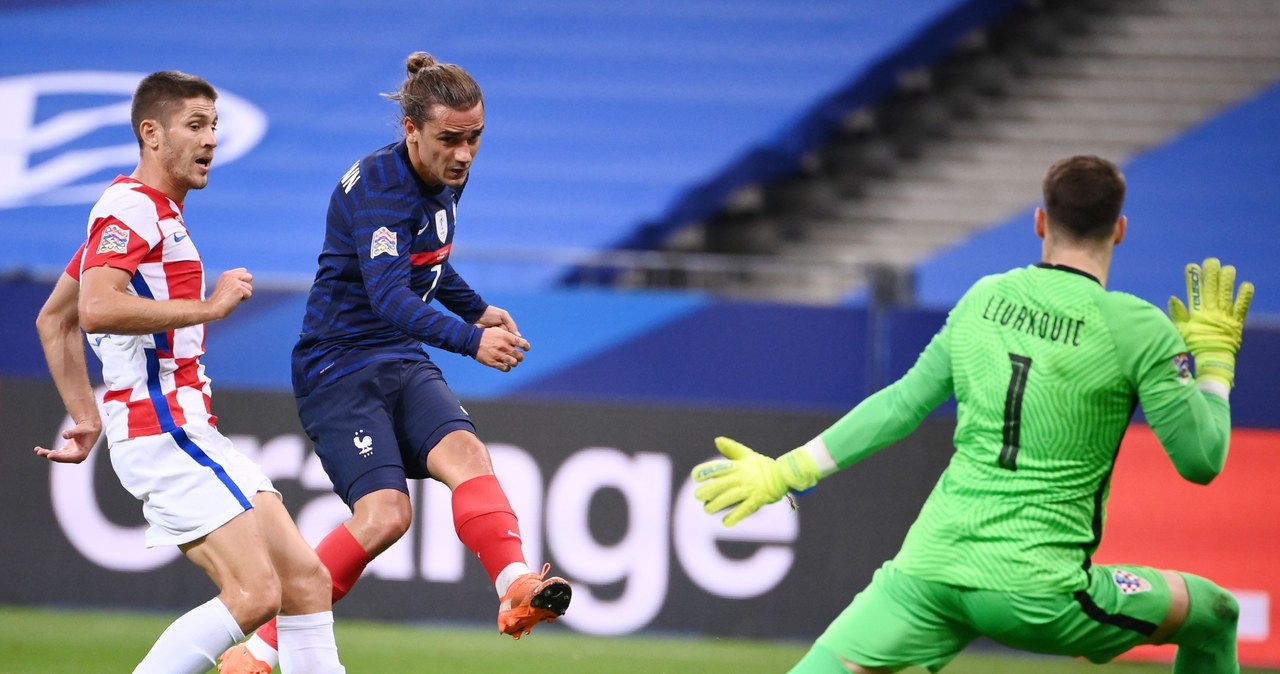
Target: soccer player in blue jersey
(375,405)
(1047,367)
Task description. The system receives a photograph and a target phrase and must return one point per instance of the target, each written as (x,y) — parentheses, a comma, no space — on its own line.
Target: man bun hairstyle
(430,83)
(158,93)
(1083,196)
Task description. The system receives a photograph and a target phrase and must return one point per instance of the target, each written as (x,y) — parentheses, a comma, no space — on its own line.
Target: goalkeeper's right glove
(1213,323)
(747,480)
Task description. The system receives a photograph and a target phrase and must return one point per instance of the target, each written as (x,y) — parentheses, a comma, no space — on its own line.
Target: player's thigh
(428,413)
(236,558)
(1122,607)
(897,621)
(350,421)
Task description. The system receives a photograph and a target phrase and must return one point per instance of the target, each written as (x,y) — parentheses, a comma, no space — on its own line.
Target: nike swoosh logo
(177,238)
(513,534)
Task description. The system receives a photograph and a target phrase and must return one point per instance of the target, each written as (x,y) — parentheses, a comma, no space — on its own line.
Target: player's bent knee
(310,578)
(253,604)
(382,518)
(306,589)
(458,457)
(820,660)
(389,525)
(1212,612)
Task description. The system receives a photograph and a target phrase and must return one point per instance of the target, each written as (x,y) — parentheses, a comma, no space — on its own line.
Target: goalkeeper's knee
(819,660)
(1211,616)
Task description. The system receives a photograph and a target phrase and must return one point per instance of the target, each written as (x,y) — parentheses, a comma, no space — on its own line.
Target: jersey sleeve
(1193,427)
(73,266)
(113,242)
(457,296)
(896,410)
(382,245)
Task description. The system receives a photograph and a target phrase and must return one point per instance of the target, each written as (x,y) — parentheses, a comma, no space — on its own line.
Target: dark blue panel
(1255,401)
(729,355)
(20,352)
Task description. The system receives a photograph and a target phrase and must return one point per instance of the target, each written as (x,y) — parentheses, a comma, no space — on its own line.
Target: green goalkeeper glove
(1213,324)
(747,480)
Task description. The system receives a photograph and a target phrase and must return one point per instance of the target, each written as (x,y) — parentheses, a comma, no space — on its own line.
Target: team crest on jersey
(1182,365)
(363,443)
(1130,583)
(115,239)
(384,243)
(442,225)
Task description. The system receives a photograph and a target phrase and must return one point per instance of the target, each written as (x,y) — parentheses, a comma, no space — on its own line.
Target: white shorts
(190,481)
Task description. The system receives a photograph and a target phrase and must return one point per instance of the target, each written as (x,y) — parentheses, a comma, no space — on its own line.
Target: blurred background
(709,217)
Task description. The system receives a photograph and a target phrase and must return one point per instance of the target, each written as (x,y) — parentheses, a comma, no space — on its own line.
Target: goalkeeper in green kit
(1047,367)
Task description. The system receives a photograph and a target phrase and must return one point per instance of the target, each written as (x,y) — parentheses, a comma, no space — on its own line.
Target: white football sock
(262,650)
(193,642)
(508,576)
(307,644)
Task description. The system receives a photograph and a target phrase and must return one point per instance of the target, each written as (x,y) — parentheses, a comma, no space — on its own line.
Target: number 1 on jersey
(1013,410)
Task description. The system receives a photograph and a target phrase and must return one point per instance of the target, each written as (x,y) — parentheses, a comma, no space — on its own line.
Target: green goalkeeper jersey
(1047,367)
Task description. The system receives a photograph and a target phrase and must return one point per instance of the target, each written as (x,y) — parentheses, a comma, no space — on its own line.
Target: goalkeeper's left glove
(747,480)
(1212,325)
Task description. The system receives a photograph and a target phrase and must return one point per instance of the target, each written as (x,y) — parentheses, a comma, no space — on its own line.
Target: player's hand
(234,286)
(80,441)
(495,317)
(747,480)
(1211,323)
(500,349)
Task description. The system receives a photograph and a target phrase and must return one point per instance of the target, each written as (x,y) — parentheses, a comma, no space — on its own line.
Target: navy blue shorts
(373,427)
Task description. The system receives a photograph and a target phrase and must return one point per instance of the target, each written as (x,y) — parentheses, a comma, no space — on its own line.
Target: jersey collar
(402,151)
(1073,270)
(146,189)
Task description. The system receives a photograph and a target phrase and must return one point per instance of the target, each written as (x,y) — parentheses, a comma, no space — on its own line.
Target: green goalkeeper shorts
(900,621)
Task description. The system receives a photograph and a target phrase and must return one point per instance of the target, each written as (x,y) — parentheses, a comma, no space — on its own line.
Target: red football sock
(342,554)
(486,524)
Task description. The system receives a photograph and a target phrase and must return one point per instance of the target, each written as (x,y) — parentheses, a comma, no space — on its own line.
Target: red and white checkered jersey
(155,383)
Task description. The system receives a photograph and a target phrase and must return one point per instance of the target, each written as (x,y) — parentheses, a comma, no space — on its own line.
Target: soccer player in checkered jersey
(137,287)
(376,406)
(1047,367)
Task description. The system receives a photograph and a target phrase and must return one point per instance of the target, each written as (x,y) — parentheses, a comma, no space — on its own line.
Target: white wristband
(821,456)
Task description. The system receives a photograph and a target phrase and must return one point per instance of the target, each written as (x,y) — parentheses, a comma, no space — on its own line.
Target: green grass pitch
(38,641)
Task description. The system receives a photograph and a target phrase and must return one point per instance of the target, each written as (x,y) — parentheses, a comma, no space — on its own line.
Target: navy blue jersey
(385,258)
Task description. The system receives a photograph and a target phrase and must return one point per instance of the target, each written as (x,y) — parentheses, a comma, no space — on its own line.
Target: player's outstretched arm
(745,481)
(107,307)
(1212,322)
(59,327)
(1195,431)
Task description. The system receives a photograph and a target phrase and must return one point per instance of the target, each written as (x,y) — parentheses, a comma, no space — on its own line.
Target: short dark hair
(158,92)
(1083,196)
(429,83)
